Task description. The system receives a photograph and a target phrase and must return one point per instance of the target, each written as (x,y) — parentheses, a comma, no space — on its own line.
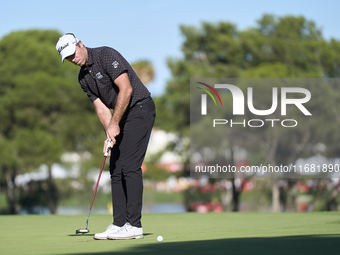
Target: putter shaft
(108,147)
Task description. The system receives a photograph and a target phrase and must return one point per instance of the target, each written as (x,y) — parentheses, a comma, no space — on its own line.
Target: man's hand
(112,131)
(105,145)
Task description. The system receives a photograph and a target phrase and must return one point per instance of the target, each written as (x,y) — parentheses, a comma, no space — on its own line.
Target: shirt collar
(89,56)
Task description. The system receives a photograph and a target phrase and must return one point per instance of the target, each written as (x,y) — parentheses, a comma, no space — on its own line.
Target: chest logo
(99,75)
(115,64)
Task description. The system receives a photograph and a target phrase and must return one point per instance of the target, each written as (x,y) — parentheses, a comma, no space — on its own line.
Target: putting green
(184,233)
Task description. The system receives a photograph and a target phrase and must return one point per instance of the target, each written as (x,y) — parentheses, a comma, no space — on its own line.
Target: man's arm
(123,100)
(103,113)
(110,122)
(104,116)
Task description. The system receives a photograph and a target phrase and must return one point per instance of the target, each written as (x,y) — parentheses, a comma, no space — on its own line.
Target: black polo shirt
(104,65)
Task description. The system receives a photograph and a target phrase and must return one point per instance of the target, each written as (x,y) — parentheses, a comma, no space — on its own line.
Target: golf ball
(159,238)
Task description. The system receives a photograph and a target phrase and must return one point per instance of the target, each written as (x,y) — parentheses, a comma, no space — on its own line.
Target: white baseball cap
(66,46)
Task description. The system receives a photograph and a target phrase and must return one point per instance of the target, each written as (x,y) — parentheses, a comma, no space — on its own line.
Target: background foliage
(44,113)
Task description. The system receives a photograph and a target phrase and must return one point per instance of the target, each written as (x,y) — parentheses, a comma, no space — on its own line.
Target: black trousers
(125,163)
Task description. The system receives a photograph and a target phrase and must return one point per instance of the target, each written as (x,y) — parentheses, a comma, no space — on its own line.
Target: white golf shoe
(111,229)
(127,232)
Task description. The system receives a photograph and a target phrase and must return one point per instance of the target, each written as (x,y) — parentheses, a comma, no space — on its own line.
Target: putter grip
(107,148)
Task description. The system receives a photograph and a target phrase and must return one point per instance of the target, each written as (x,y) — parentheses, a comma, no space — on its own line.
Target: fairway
(184,233)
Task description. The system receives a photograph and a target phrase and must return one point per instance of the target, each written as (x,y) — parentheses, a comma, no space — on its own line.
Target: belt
(144,100)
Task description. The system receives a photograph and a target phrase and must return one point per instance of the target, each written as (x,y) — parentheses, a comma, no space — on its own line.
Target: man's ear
(80,44)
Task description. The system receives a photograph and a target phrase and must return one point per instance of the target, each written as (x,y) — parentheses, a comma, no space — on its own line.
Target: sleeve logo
(115,64)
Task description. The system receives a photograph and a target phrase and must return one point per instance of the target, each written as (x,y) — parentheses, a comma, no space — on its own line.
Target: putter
(86,230)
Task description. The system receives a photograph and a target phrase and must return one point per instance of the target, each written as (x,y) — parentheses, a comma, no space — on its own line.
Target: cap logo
(62,47)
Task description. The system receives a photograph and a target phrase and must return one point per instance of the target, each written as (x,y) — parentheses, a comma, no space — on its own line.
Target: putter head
(82,231)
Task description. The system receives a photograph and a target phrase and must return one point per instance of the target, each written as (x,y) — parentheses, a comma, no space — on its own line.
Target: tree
(43,111)
(144,71)
(276,47)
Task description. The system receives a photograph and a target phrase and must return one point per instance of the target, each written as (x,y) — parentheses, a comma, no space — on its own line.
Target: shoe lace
(110,227)
(127,226)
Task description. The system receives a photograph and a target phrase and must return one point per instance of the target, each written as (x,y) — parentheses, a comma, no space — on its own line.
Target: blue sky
(149,29)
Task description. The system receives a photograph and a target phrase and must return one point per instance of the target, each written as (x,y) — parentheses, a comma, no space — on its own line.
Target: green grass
(3,202)
(153,197)
(187,233)
(102,199)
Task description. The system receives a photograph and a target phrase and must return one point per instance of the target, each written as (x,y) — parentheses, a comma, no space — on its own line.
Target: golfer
(110,83)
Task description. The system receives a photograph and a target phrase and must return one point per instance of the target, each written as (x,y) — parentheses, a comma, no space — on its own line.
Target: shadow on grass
(313,244)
